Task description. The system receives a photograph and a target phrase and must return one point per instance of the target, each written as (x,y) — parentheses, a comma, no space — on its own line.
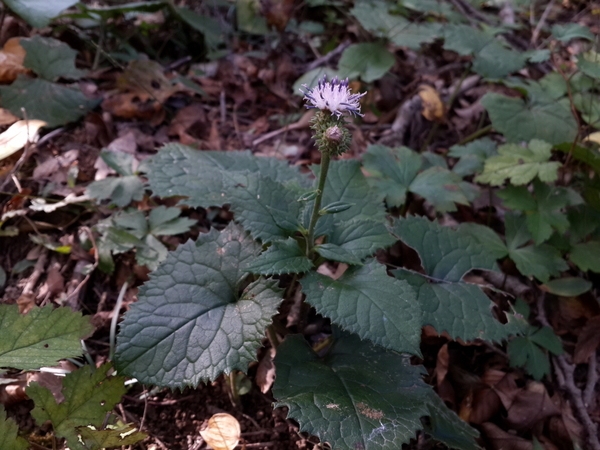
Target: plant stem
(325,158)
(481,132)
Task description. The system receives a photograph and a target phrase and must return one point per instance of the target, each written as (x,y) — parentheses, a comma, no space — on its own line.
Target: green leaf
(460,309)
(486,237)
(38,13)
(472,156)
(520,164)
(190,324)
(392,170)
(115,436)
(445,254)
(281,257)
(546,338)
(9,438)
(40,338)
(249,17)
(41,99)
(266,208)
(564,33)
(541,261)
(360,238)
(151,252)
(568,286)
(2,278)
(369,61)
(522,352)
(121,191)
(89,394)
(50,58)
(448,428)
(205,178)
(357,396)
(536,117)
(589,64)
(440,187)
(336,253)
(588,105)
(212,30)
(311,79)
(368,302)
(165,221)
(492,59)
(586,256)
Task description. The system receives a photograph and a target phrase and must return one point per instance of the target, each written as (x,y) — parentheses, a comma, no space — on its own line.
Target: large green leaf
(367,301)
(53,103)
(448,428)
(281,257)
(520,164)
(41,337)
(50,58)
(564,33)
(9,438)
(89,393)
(538,116)
(448,303)
(472,156)
(440,187)
(492,58)
(358,396)
(205,178)
(358,238)
(586,256)
(38,13)
(369,61)
(190,324)
(445,254)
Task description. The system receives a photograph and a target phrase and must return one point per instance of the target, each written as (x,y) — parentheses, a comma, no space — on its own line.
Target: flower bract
(333,96)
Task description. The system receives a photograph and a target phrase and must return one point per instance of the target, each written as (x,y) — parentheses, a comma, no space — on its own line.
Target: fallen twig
(328,57)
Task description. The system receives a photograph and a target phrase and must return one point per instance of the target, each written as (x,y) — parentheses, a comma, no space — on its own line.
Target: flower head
(334,96)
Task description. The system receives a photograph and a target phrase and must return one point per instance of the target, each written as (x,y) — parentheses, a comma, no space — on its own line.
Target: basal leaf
(392,170)
(448,428)
(281,257)
(440,187)
(369,61)
(539,117)
(445,254)
(41,337)
(368,302)
(89,395)
(38,13)
(334,252)
(204,177)
(9,433)
(358,396)
(460,309)
(53,103)
(520,165)
(50,58)
(190,324)
(360,238)
(487,238)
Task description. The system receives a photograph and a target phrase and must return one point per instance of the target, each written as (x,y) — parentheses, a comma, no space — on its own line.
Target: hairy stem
(325,158)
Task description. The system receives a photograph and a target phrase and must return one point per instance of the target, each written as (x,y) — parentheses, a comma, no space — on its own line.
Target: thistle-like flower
(334,96)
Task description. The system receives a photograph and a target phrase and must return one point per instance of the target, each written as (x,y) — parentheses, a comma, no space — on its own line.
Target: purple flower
(334,96)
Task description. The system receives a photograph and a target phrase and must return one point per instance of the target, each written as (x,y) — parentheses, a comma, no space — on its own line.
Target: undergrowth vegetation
(455,217)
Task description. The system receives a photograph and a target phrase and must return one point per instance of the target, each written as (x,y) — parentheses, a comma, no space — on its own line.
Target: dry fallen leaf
(12,56)
(222,432)
(433,107)
(594,137)
(6,117)
(18,135)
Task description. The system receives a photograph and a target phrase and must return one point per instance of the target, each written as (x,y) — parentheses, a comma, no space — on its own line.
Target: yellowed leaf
(433,107)
(594,137)
(12,56)
(18,135)
(222,432)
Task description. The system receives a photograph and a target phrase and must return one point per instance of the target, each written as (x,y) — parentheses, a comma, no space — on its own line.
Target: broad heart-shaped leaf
(50,58)
(540,261)
(38,13)
(358,396)
(520,165)
(9,430)
(369,61)
(190,324)
(539,117)
(448,428)
(281,257)
(53,103)
(368,302)
(460,309)
(41,337)
(205,177)
(492,59)
(445,254)
(89,395)
(266,208)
